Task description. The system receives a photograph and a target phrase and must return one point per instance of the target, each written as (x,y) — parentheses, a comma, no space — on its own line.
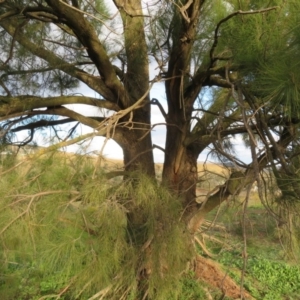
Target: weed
(265,279)
(191,289)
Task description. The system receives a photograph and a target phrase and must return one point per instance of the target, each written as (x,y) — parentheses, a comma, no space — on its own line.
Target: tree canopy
(229,69)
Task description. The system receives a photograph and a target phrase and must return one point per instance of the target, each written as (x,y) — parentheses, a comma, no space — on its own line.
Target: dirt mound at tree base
(209,272)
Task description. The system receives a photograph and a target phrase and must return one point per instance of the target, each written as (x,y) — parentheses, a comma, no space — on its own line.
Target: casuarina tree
(229,70)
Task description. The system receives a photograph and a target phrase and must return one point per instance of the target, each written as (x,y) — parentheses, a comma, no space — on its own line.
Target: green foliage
(249,37)
(65,227)
(191,289)
(265,278)
(268,57)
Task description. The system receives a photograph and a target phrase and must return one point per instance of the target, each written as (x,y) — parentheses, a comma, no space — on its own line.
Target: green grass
(265,278)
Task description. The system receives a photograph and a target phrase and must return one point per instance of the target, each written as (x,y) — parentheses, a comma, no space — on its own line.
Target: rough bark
(137,144)
(180,172)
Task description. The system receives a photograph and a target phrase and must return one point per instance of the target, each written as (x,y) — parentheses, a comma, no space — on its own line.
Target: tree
(229,69)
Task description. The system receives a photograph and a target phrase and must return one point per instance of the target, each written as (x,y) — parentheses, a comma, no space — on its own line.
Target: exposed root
(203,247)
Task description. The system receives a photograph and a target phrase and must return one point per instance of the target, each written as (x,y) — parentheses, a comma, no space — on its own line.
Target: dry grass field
(108,163)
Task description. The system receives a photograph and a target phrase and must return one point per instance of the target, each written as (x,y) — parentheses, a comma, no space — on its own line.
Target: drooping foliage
(72,233)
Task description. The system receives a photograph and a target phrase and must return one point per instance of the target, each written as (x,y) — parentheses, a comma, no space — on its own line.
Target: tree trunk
(180,169)
(138,155)
(137,143)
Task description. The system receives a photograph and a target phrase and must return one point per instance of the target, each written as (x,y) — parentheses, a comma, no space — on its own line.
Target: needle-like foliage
(59,225)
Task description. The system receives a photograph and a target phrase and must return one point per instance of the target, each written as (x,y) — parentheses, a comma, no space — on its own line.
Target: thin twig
(88,14)
(245,255)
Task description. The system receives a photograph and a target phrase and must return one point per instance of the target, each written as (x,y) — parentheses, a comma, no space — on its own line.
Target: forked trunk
(180,175)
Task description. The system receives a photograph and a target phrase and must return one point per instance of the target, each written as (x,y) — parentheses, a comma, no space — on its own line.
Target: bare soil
(211,273)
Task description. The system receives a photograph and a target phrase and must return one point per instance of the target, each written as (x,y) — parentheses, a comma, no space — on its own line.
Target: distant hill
(110,163)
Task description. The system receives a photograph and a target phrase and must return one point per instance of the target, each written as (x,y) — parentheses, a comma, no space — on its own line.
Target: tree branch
(156,102)
(56,62)
(216,80)
(12,105)
(238,179)
(178,67)
(89,38)
(42,123)
(39,70)
(63,111)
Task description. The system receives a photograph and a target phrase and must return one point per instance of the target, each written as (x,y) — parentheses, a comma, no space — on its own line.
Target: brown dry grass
(212,167)
(110,163)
